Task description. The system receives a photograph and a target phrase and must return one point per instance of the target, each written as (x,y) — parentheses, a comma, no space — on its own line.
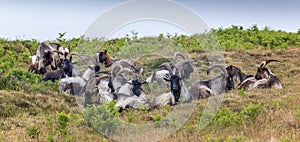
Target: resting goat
(136,99)
(177,87)
(184,67)
(264,78)
(81,80)
(119,68)
(237,75)
(217,85)
(92,93)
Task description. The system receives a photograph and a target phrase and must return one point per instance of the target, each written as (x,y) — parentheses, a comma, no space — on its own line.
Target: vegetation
(31,109)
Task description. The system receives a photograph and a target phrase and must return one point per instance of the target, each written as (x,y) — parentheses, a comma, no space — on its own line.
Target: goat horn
(48,45)
(54,50)
(69,45)
(98,79)
(221,67)
(128,63)
(106,72)
(75,53)
(265,63)
(179,54)
(167,65)
(179,64)
(90,57)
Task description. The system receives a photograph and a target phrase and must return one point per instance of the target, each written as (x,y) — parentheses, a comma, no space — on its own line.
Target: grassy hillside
(33,110)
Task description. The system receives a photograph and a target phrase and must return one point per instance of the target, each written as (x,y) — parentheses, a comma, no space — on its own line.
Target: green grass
(33,110)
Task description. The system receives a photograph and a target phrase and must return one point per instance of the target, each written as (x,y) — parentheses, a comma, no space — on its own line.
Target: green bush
(103,118)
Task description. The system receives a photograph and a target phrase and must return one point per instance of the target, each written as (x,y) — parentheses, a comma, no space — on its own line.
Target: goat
(136,99)
(105,59)
(66,70)
(117,73)
(45,56)
(237,75)
(91,93)
(34,64)
(81,80)
(54,75)
(177,87)
(184,67)
(217,85)
(263,78)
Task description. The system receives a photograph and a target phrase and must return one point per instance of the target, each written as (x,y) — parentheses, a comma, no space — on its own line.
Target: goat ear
(105,51)
(129,82)
(166,78)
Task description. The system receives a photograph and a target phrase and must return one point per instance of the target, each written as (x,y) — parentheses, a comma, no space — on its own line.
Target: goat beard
(176,94)
(137,91)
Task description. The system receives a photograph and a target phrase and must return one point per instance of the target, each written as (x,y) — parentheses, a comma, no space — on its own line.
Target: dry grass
(277,121)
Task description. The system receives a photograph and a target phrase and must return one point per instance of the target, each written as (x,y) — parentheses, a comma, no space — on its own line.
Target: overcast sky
(43,20)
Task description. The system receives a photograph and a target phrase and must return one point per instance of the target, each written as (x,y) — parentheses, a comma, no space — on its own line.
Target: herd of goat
(100,87)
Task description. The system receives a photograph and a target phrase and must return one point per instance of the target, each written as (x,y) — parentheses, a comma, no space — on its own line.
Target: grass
(34,111)
(276,119)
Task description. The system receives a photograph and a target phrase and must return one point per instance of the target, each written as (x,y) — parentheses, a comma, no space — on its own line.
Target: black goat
(54,75)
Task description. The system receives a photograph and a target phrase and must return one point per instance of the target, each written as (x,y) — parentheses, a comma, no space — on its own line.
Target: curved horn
(179,54)
(98,79)
(106,72)
(129,64)
(179,64)
(48,45)
(54,50)
(69,45)
(90,57)
(265,63)
(168,67)
(221,67)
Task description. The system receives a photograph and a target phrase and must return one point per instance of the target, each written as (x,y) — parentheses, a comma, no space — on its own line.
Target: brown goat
(105,58)
(263,78)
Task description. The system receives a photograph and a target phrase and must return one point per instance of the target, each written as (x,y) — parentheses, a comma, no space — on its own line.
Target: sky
(44,19)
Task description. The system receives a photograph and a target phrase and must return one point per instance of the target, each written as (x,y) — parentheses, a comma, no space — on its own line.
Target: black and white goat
(263,78)
(136,98)
(46,56)
(184,69)
(177,90)
(217,85)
